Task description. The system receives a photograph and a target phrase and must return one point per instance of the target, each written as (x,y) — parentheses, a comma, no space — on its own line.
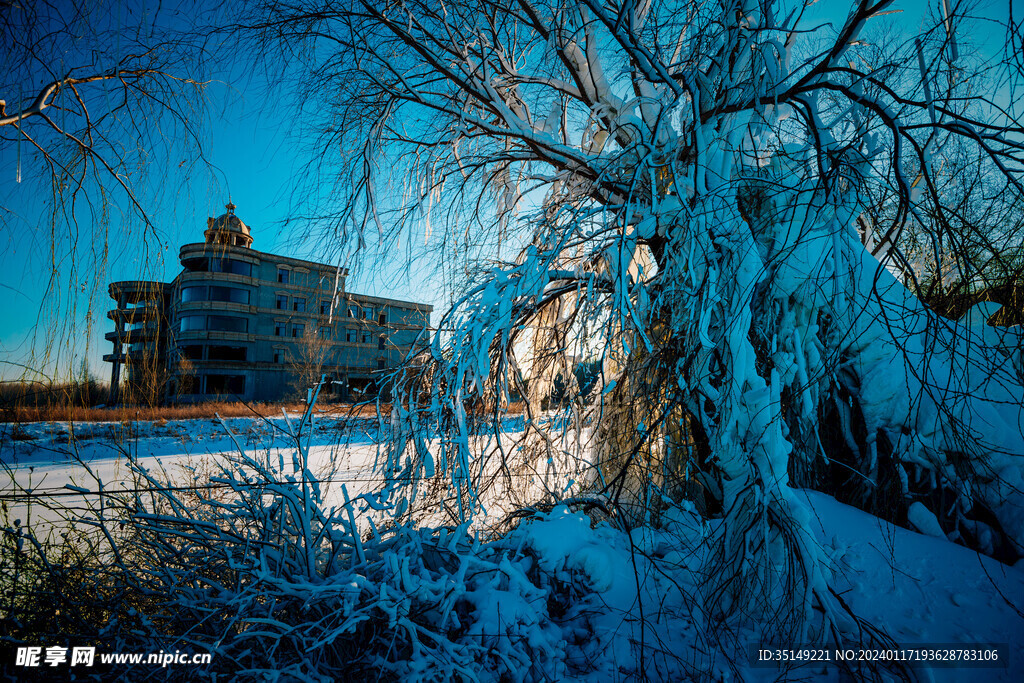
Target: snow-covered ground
(54,461)
(921,589)
(918,589)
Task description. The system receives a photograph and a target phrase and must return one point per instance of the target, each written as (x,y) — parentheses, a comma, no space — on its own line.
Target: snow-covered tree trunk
(688,188)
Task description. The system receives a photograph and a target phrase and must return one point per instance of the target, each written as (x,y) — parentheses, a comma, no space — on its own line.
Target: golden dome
(228,229)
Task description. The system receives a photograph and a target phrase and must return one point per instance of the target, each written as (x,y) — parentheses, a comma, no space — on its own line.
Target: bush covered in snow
(251,563)
(251,566)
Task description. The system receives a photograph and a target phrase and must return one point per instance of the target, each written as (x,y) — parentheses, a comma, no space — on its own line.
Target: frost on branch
(688,189)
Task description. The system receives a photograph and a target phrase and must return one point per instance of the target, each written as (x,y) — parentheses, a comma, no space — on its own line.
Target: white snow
(630,600)
(924,521)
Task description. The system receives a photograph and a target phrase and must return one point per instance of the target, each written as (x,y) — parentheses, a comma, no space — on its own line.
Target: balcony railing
(132,316)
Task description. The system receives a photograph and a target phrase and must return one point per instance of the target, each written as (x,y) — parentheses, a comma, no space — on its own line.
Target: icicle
(17,173)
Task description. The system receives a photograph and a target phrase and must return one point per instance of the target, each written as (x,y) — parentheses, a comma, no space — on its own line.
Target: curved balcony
(199,250)
(130,336)
(207,277)
(132,316)
(215,335)
(145,359)
(136,291)
(186,307)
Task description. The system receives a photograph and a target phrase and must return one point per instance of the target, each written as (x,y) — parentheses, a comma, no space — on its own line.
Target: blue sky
(252,165)
(253,156)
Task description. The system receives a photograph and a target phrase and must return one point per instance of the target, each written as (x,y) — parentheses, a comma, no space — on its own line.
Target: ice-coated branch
(691,313)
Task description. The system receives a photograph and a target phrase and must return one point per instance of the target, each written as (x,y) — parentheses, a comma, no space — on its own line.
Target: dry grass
(127,413)
(59,413)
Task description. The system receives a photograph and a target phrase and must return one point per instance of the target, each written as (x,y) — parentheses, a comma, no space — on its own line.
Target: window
(214,293)
(367,314)
(282,275)
(353,311)
(196,265)
(227,323)
(189,323)
(191,352)
(382,319)
(141,349)
(278,356)
(325,308)
(299,304)
(279,329)
(325,332)
(298,330)
(229,353)
(381,341)
(188,384)
(230,294)
(366,337)
(351,336)
(381,363)
(227,265)
(282,302)
(225,384)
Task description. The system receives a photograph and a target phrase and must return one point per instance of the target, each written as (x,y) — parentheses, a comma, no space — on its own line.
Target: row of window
(297,330)
(282,356)
(198,292)
(220,265)
(214,384)
(366,314)
(230,323)
(242,296)
(217,264)
(236,295)
(298,304)
(233,295)
(216,323)
(233,353)
(284,329)
(214,352)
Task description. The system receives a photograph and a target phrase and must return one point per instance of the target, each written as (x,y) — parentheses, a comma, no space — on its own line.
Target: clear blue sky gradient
(254,159)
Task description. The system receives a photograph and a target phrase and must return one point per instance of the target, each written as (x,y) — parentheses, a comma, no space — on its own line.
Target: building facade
(242,324)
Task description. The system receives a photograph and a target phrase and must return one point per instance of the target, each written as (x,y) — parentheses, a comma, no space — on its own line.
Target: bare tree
(688,188)
(147,380)
(307,359)
(93,96)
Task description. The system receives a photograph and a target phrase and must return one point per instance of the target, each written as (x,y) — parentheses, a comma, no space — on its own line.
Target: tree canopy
(725,204)
(100,108)
(734,211)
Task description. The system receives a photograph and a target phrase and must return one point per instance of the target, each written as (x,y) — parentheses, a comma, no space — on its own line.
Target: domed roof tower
(228,229)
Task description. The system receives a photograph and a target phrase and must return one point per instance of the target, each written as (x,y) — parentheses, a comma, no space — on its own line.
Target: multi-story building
(250,325)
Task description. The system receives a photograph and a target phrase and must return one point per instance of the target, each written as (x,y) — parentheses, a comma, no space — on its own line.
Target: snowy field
(54,461)
(919,589)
